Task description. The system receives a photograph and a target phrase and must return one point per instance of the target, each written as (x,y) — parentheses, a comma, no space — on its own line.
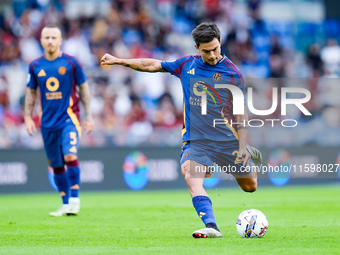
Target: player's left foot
(74,205)
(255,154)
(207,233)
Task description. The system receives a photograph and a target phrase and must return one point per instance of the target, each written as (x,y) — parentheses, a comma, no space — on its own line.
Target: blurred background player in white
(59,78)
(202,144)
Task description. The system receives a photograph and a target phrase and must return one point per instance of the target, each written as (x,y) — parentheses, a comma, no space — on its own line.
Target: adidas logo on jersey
(192,71)
(41,73)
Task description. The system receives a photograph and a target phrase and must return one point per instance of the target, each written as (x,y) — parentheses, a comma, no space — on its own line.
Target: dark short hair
(206,32)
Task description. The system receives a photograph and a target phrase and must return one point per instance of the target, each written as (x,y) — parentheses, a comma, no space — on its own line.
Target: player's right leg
(247,182)
(55,159)
(245,177)
(194,174)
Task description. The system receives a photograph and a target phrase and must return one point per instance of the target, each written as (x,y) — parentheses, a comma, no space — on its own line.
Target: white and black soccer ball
(252,223)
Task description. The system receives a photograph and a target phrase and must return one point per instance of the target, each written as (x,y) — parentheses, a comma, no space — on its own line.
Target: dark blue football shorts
(224,154)
(60,142)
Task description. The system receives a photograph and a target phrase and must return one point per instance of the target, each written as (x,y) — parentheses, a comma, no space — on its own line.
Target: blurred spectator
(166,116)
(330,56)
(77,45)
(29,47)
(314,60)
(137,113)
(280,59)
(139,128)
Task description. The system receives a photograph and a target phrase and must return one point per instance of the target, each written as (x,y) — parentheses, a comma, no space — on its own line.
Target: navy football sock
(73,173)
(61,182)
(204,210)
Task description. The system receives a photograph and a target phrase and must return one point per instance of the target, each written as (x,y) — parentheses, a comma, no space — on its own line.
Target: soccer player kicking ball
(203,142)
(59,77)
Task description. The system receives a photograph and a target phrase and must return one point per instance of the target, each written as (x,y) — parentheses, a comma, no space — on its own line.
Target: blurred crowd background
(281,40)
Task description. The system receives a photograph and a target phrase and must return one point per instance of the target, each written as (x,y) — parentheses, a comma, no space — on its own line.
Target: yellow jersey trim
(73,117)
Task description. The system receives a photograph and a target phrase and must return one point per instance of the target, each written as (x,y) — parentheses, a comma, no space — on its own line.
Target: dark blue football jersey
(57,81)
(199,82)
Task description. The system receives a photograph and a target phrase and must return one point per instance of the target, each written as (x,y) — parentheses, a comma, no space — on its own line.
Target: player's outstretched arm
(138,64)
(242,131)
(85,97)
(29,106)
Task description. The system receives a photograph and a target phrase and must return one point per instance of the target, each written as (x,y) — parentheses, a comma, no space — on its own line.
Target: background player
(58,75)
(203,146)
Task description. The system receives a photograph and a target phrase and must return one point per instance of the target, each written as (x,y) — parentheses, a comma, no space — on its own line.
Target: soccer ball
(252,223)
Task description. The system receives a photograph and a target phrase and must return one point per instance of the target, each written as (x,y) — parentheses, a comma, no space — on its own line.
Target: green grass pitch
(302,220)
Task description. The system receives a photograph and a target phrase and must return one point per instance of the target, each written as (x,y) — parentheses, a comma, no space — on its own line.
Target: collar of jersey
(60,55)
(220,61)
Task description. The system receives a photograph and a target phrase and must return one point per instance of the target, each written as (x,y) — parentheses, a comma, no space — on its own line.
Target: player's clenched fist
(108,59)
